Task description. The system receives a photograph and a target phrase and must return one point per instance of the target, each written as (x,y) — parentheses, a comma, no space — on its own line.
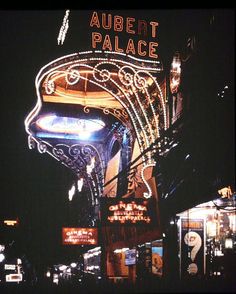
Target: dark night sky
(34,186)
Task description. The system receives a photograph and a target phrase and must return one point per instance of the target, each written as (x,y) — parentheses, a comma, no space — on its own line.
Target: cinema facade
(114,116)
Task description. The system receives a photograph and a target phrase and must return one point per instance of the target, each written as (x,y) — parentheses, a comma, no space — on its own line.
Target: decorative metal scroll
(133,86)
(77,158)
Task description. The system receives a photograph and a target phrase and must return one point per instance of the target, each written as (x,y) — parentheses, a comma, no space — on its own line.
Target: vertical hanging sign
(192,247)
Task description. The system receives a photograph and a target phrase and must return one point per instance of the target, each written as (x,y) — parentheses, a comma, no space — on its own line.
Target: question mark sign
(194,240)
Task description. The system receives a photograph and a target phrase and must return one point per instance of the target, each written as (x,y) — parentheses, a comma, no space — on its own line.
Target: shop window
(220,233)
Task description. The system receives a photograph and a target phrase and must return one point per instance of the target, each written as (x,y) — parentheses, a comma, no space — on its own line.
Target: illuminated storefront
(146,260)
(92,262)
(207,236)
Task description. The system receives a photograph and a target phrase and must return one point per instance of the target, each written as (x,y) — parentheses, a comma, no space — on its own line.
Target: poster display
(192,247)
(130,257)
(157,260)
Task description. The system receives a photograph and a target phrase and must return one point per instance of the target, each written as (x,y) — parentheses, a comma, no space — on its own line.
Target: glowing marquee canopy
(116,84)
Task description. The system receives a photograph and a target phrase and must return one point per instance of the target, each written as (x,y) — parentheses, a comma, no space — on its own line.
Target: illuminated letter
(107,43)
(107,25)
(117,49)
(113,207)
(129,25)
(140,52)
(122,205)
(154,25)
(130,47)
(129,206)
(142,26)
(96,38)
(118,23)
(94,20)
(152,49)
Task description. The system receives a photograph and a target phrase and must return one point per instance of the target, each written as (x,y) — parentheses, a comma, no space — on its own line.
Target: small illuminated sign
(79,236)
(14,278)
(10,222)
(125,211)
(9,266)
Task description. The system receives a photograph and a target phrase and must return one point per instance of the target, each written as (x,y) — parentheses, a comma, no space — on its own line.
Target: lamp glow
(71,192)
(62,267)
(80,183)
(69,125)
(2,248)
(73,264)
(91,166)
(2,257)
(229,243)
(84,135)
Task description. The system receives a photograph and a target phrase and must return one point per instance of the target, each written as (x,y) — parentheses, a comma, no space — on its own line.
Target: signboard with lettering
(9,266)
(138,35)
(11,222)
(79,236)
(134,211)
(14,278)
(192,247)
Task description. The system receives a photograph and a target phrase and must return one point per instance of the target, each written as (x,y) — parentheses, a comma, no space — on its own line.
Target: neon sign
(130,26)
(125,211)
(79,236)
(14,278)
(10,222)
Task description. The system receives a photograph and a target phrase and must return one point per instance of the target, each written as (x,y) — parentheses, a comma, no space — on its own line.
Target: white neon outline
(41,75)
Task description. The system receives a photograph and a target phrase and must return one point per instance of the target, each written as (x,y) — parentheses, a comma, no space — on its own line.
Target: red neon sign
(79,236)
(136,211)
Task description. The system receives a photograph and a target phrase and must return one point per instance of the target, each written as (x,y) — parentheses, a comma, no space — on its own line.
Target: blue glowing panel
(67,127)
